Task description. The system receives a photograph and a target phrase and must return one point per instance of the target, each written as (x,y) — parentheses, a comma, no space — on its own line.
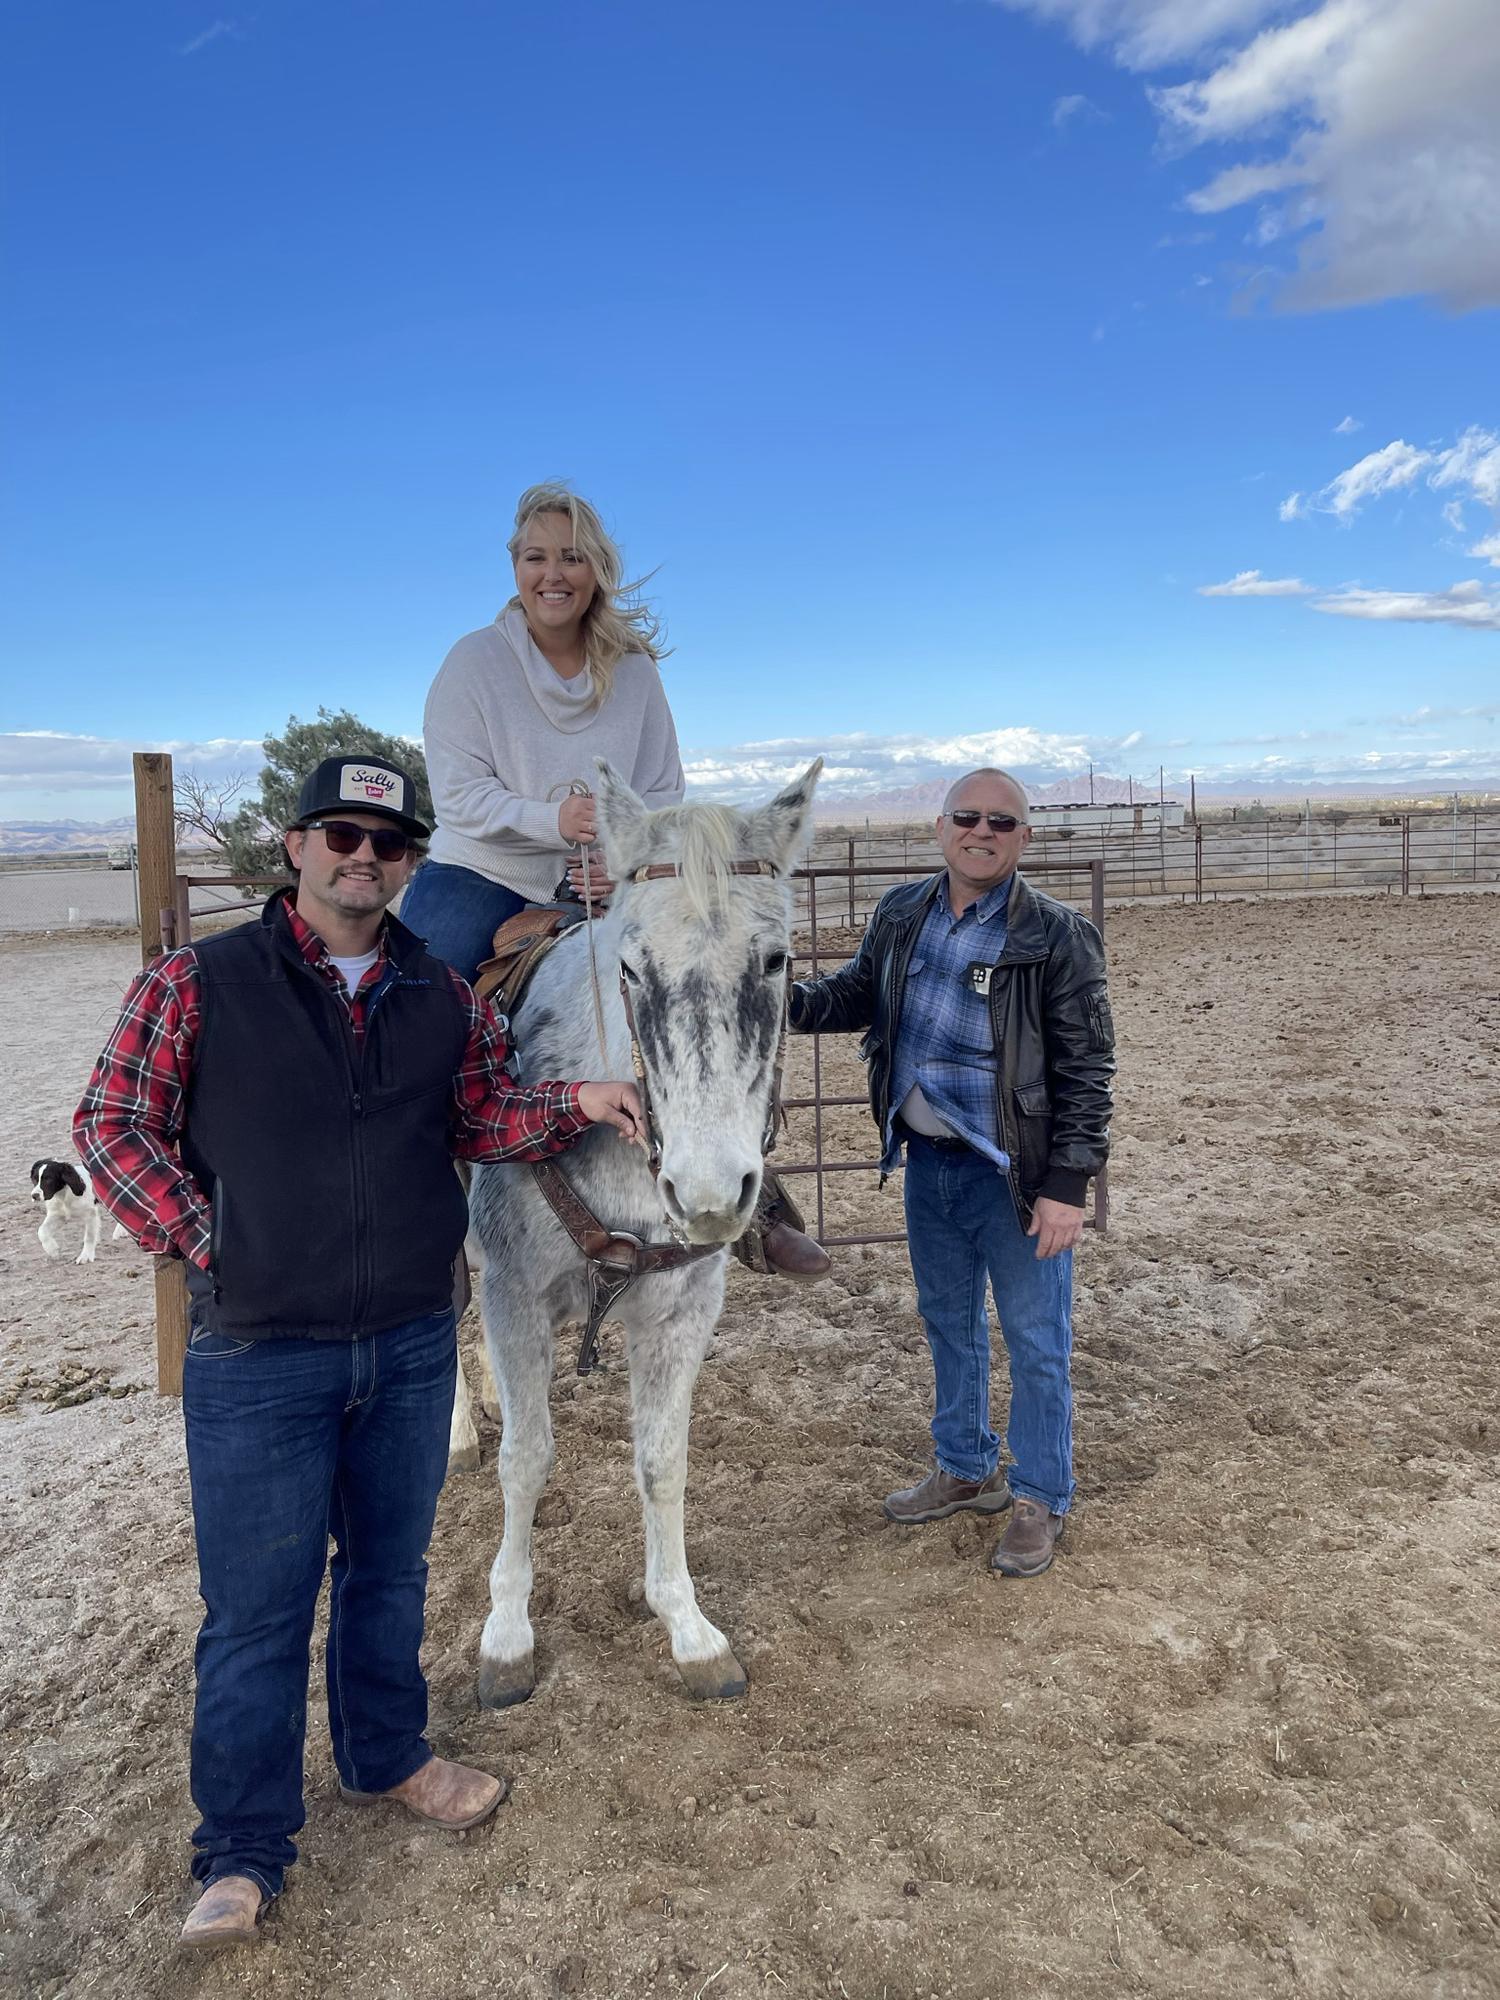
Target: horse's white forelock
(704,841)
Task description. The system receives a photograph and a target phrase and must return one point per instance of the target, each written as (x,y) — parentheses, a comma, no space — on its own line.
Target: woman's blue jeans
(962,1228)
(458,913)
(289,1442)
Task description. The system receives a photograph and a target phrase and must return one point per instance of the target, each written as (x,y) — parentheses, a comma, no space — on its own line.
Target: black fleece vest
(336,1208)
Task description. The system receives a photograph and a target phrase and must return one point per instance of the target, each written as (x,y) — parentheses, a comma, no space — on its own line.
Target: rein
(614,1258)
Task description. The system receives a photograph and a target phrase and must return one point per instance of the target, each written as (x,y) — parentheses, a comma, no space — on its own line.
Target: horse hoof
(720,1679)
(502,1683)
(466,1460)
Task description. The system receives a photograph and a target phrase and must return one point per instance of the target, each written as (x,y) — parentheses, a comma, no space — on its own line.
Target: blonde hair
(615,623)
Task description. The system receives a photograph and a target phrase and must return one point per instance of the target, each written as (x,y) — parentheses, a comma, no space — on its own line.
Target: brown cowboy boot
(452,1796)
(1029,1539)
(777,1243)
(226,1913)
(940,1494)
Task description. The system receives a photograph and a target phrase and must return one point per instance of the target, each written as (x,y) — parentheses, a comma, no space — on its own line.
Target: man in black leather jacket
(990,1049)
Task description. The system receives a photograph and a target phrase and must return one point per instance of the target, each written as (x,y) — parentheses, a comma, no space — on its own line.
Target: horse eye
(775,962)
(630,973)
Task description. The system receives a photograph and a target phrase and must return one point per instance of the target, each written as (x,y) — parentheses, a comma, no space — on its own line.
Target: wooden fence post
(156,849)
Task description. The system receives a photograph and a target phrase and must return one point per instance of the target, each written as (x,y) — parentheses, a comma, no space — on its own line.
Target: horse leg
(523,1354)
(489,1395)
(663,1368)
(463,1439)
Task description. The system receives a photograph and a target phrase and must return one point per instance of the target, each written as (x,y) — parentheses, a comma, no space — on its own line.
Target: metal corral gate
(176,928)
(819,1165)
(166,921)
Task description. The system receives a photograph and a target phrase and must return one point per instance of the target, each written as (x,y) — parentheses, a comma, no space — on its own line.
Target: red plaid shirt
(127,1126)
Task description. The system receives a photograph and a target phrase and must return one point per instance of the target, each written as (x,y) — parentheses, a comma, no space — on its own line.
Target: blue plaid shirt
(945,1041)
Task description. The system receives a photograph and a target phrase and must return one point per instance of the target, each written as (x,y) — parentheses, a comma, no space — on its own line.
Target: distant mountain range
(925,801)
(19,837)
(64,836)
(916,804)
(922,803)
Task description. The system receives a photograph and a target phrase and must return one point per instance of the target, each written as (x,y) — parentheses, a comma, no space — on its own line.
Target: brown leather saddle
(517,949)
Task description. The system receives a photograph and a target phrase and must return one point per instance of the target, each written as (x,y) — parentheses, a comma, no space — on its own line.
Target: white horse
(703,951)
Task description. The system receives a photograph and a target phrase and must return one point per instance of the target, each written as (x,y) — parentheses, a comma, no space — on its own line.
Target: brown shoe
(226,1913)
(940,1495)
(452,1796)
(1028,1542)
(791,1254)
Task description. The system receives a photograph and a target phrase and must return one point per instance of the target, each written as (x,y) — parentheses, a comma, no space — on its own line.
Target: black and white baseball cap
(364,784)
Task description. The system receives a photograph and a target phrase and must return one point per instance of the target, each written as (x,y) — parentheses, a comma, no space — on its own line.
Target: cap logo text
(369,781)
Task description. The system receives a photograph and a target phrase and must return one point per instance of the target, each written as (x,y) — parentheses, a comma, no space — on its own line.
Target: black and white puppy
(64,1192)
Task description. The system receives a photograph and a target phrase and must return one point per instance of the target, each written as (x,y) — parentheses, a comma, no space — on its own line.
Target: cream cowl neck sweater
(505,736)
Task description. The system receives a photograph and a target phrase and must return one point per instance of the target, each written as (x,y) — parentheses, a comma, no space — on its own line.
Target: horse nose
(709,1208)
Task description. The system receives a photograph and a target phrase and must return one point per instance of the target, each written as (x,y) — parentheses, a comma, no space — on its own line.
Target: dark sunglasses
(966,817)
(387,843)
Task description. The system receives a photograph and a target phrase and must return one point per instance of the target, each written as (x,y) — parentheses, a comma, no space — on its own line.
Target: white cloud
(1474,462)
(1458,766)
(1394,465)
(862,765)
(1375,119)
(1146,33)
(1466,604)
(1279,71)
(46,773)
(217,31)
(1346,426)
(1076,110)
(53,760)
(1250,583)
(1471,466)
(1240,184)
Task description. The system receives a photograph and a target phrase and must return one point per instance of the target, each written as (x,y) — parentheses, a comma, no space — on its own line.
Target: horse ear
(775,831)
(621,817)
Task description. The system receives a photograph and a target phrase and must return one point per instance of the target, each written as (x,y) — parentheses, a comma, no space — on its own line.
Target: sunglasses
(387,843)
(966,817)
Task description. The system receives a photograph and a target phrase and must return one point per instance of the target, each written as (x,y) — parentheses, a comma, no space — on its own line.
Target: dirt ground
(1243,1740)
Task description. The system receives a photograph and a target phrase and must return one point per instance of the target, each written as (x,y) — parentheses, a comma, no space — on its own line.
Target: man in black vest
(281,1107)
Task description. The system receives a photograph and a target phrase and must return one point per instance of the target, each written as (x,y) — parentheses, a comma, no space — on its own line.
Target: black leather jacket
(1054,1036)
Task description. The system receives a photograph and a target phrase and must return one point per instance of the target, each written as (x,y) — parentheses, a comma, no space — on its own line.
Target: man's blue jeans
(458,913)
(962,1228)
(290,1441)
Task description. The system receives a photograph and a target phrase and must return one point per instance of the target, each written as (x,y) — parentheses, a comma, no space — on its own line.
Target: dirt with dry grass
(1243,1740)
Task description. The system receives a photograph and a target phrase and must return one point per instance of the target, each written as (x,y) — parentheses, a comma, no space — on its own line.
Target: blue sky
(924,348)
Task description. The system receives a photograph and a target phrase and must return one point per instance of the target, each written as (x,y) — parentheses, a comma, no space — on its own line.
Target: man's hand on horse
(598,889)
(1056,1225)
(614,1104)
